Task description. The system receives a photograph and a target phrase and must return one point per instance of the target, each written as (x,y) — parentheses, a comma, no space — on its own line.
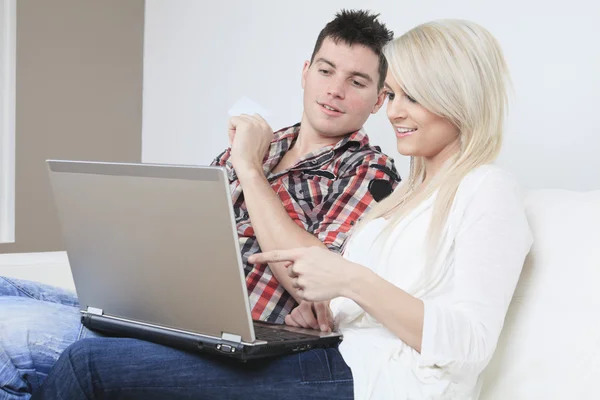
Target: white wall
(8,19)
(201,57)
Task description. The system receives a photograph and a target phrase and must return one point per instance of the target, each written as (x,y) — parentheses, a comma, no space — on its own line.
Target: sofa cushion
(550,344)
(51,268)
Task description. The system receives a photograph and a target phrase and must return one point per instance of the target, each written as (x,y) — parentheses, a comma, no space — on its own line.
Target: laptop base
(117,327)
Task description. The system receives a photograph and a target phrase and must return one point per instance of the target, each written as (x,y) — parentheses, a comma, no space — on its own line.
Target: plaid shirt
(325,193)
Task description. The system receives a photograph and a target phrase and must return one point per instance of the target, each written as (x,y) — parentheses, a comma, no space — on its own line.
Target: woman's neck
(433,165)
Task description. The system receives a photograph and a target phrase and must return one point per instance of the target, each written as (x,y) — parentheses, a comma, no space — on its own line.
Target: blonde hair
(455,69)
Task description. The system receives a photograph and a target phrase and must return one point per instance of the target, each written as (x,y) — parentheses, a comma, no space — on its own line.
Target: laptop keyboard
(273,335)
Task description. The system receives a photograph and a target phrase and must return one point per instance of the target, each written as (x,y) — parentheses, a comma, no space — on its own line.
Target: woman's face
(419,132)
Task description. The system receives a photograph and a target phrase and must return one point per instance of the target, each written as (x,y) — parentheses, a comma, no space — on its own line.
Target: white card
(246,106)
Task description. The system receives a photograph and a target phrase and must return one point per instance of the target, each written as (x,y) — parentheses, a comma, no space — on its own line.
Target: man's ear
(380,101)
(304,72)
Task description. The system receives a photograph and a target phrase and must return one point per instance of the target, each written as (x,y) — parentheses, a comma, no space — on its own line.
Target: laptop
(155,255)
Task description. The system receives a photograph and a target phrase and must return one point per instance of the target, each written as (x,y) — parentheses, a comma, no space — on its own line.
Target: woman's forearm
(397,310)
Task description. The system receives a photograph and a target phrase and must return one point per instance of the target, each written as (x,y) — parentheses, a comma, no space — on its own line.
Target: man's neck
(309,140)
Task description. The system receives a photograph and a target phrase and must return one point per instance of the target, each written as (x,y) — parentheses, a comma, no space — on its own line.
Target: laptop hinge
(231,337)
(95,311)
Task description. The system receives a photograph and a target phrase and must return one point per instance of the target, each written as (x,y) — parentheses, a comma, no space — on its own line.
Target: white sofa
(51,268)
(550,345)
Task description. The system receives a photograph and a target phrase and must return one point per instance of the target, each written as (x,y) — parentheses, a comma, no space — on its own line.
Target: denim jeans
(113,368)
(37,322)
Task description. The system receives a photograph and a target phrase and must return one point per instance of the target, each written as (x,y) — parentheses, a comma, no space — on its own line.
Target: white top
(485,241)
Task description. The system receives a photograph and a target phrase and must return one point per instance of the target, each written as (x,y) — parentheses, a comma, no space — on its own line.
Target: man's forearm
(273,227)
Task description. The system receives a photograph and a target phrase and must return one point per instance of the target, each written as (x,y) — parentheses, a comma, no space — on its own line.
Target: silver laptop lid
(154,243)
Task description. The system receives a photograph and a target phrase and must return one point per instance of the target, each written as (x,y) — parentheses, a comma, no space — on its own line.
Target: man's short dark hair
(358,27)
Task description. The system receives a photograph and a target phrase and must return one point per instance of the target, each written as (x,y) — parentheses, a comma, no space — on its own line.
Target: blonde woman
(426,278)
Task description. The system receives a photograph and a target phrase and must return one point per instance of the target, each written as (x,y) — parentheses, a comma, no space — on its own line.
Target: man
(303,186)
(319,176)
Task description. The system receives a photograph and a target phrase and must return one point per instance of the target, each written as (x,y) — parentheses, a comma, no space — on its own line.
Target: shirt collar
(286,137)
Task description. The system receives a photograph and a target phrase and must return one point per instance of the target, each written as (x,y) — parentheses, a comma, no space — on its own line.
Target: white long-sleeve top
(484,243)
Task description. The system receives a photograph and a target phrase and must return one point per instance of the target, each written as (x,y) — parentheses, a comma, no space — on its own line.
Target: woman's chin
(408,151)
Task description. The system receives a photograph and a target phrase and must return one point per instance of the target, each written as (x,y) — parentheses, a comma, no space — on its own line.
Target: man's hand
(249,137)
(311,315)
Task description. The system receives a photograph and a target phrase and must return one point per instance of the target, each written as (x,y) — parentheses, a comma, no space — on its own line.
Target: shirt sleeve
(349,197)
(492,242)
(223,160)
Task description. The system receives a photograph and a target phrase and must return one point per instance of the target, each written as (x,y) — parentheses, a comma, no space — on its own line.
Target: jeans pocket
(314,366)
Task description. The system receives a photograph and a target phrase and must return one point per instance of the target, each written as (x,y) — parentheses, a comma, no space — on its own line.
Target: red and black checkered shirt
(325,193)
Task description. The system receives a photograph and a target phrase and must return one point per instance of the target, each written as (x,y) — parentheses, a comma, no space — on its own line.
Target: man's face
(340,89)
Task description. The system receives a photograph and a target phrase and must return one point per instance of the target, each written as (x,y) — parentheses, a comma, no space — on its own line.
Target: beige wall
(78,96)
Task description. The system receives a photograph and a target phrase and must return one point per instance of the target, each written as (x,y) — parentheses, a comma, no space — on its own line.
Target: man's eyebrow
(324,60)
(353,73)
(362,75)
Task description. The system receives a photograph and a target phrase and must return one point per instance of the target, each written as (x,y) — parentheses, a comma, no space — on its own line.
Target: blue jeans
(37,322)
(113,368)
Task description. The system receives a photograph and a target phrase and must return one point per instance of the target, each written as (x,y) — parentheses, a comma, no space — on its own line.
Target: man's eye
(324,71)
(358,84)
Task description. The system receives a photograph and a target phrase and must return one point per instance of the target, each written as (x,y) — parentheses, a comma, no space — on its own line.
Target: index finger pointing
(273,256)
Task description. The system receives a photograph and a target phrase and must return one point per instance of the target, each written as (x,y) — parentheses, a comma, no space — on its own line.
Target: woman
(426,278)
